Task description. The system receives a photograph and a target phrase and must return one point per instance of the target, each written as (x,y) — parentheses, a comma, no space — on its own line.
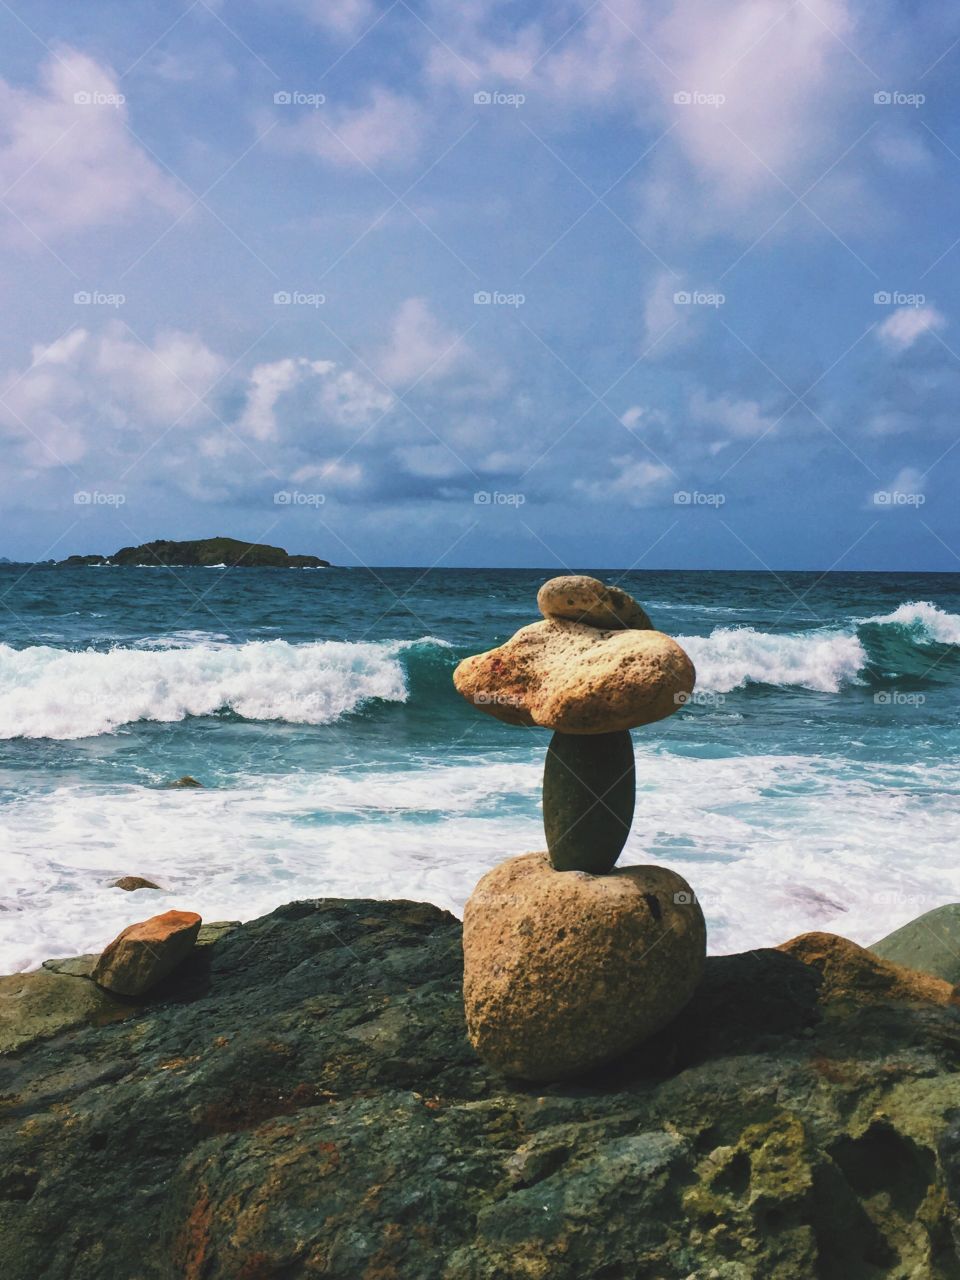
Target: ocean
(811,783)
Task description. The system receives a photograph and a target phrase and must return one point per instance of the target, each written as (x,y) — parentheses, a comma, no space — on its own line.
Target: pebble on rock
(145,953)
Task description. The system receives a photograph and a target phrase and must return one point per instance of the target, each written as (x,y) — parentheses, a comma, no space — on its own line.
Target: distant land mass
(203,551)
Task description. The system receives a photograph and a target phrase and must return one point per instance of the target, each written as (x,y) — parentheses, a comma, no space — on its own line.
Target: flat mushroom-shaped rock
(577,598)
(574,678)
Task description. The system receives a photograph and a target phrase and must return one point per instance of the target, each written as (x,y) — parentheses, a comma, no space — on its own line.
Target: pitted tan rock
(578,679)
(577,598)
(565,970)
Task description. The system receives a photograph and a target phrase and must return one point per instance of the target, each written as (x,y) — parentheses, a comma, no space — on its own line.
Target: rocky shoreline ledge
(299,1098)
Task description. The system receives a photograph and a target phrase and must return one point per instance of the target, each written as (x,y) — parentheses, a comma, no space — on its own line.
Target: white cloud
(435,461)
(86,391)
(419,347)
(342,17)
(665,324)
(267,383)
(903,327)
(904,492)
(388,129)
(68,165)
(890,422)
(638,482)
(782,70)
(742,418)
(909,480)
(293,394)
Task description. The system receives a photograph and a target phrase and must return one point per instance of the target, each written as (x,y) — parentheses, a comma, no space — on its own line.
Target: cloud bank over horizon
(623,284)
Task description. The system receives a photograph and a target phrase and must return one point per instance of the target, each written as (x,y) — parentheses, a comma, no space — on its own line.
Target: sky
(621,284)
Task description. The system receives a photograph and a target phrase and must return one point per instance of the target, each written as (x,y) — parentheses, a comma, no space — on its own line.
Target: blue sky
(615,284)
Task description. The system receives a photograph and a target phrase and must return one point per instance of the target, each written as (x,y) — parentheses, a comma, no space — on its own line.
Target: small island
(202,552)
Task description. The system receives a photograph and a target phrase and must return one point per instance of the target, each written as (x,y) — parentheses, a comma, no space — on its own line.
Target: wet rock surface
(300,1099)
(931,943)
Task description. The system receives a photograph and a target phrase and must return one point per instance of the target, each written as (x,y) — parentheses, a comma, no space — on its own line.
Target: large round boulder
(564,970)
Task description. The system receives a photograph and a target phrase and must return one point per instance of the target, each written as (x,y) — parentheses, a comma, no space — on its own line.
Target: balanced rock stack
(567,962)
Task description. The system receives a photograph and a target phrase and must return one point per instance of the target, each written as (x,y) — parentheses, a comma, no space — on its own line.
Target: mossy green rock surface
(589,791)
(303,1102)
(931,943)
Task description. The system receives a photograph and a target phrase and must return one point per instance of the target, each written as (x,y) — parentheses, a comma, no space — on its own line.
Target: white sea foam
(774,845)
(823,660)
(47,692)
(925,620)
(732,657)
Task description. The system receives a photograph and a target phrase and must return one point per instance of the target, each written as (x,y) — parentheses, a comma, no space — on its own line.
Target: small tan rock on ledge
(145,953)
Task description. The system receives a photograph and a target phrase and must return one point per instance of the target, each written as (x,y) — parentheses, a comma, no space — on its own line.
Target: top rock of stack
(577,598)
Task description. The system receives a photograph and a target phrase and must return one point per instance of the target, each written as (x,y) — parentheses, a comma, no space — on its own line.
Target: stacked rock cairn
(568,962)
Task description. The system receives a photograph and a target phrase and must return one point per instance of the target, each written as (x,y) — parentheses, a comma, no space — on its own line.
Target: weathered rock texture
(564,970)
(146,952)
(931,942)
(300,1100)
(130,884)
(577,679)
(589,791)
(578,598)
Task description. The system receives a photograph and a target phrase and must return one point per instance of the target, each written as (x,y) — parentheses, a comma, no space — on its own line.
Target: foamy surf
(824,660)
(47,692)
(925,621)
(733,657)
(774,845)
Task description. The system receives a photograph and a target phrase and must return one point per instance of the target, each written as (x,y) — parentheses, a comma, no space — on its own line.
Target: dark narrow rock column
(589,790)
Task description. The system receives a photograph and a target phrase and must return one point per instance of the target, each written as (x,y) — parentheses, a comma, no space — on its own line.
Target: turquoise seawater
(812,783)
